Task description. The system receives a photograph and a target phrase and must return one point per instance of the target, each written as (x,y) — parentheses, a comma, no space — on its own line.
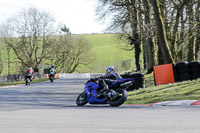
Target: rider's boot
(103,91)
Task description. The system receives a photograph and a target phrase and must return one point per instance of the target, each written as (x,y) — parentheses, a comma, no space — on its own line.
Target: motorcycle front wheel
(27,82)
(120,99)
(82,99)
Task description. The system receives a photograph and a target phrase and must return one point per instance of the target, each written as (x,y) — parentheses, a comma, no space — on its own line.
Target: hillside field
(106,50)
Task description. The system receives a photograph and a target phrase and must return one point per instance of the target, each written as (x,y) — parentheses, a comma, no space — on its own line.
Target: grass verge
(187,90)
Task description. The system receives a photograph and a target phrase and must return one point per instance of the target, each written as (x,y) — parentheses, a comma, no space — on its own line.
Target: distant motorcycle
(28,78)
(51,76)
(115,96)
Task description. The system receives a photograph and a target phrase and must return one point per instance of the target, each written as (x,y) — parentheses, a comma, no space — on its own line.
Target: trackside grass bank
(187,90)
(23,82)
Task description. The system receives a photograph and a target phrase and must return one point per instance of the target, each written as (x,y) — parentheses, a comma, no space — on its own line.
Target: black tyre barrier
(194,69)
(195,75)
(183,76)
(139,81)
(175,73)
(137,86)
(138,78)
(181,64)
(194,64)
(137,75)
(183,70)
(126,75)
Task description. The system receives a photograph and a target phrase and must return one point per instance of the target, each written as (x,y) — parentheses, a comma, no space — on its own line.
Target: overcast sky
(78,15)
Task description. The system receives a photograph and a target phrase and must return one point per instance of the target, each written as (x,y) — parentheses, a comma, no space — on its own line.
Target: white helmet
(110,69)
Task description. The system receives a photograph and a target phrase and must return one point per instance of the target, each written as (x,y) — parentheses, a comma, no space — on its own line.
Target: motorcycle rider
(106,80)
(29,73)
(52,71)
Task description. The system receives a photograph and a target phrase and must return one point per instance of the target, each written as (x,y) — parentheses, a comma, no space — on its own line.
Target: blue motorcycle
(115,96)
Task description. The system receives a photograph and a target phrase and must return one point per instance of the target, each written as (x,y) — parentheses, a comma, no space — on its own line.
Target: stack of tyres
(194,70)
(126,75)
(138,80)
(182,71)
(175,73)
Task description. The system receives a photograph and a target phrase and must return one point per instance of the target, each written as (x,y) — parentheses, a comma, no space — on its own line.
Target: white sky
(78,15)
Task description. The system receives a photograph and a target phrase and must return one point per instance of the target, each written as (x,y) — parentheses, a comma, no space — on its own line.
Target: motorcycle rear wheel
(27,82)
(120,99)
(82,99)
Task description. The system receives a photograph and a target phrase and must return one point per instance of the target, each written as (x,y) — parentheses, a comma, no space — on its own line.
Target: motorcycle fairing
(90,89)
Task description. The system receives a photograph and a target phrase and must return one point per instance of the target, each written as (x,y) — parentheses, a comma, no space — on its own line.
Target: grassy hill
(187,90)
(4,57)
(106,52)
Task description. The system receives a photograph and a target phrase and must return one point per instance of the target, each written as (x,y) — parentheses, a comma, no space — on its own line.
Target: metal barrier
(18,77)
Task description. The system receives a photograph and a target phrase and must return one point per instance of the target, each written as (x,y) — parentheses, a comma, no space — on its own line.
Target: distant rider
(30,73)
(52,71)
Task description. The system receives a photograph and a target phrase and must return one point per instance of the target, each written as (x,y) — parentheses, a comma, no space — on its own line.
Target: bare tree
(1,63)
(70,52)
(28,34)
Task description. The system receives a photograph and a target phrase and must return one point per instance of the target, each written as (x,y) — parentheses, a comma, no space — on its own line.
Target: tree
(162,37)
(197,50)
(1,63)
(148,36)
(126,21)
(71,52)
(28,34)
(168,29)
(65,30)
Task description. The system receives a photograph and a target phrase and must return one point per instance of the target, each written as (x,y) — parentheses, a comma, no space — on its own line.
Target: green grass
(187,90)
(23,82)
(106,52)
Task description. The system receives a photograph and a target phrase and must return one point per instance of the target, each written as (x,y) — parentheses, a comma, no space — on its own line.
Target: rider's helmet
(52,66)
(110,69)
(30,68)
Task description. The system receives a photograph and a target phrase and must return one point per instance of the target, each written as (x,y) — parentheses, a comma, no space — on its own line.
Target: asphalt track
(50,108)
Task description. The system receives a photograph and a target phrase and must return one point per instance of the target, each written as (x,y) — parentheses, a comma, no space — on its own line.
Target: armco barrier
(79,75)
(18,77)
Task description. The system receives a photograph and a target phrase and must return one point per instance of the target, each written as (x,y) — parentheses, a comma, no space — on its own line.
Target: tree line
(164,31)
(34,38)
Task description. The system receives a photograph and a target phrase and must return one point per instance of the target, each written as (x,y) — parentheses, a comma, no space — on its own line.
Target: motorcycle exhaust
(126,84)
